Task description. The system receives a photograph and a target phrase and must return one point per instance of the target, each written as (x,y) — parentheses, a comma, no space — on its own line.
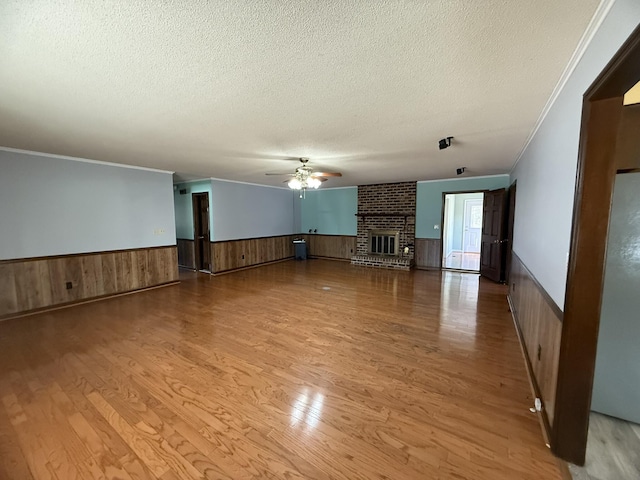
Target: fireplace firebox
(384,242)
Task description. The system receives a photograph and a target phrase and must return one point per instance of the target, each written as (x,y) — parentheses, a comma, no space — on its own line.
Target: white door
(472,226)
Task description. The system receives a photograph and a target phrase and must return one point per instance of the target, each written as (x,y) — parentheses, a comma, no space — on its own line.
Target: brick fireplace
(386,225)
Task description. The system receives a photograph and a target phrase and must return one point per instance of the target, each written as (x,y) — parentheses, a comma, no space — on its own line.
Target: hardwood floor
(313,369)
(613,450)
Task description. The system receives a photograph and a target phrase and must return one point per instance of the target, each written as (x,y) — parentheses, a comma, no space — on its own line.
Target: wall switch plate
(436,227)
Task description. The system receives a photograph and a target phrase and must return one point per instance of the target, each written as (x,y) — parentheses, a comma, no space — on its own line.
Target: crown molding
(83,160)
(594,25)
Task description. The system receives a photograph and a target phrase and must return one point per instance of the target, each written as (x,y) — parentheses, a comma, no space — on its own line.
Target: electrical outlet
(69,285)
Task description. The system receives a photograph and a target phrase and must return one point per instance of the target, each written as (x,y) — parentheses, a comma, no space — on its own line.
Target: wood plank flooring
(613,450)
(308,370)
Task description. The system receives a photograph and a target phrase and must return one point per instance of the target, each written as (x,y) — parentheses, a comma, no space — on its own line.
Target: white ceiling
(230,89)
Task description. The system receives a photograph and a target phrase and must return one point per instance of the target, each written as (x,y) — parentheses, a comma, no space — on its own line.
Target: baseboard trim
(82,302)
(255,265)
(428,269)
(542,416)
(336,259)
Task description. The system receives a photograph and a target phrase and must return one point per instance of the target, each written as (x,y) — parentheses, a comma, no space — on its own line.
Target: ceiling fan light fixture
(313,182)
(304,177)
(295,184)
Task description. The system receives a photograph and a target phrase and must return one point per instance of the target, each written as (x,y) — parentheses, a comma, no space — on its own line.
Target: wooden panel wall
(428,253)
(331,246)
(539,320)
(228,255)
(39,283)
(186,253)
(628,141)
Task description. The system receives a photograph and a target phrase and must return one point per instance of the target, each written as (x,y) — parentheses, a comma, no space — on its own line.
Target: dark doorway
(511,215)
(201,231)
(492,253)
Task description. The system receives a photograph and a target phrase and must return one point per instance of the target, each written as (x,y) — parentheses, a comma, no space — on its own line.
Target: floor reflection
(458,306)
(307,410)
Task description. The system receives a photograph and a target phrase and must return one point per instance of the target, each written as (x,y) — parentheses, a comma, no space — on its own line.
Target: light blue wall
(52,205)
(183,205)
(429,199)
(331,211)
(616,384)
(546,172)
(242,210)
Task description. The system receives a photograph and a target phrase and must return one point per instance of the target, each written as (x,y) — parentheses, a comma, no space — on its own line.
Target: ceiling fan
(304,177)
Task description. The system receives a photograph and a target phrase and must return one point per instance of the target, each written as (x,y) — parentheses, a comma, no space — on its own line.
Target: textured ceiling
(230,89)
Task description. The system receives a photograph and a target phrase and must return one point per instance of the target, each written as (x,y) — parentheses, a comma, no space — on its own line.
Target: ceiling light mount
(444,143)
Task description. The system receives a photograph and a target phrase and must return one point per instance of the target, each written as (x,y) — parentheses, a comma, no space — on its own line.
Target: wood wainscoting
(186,253)
(33,284)
(627,155)
(341,247)
(428,253)
(538,321)
(234,254)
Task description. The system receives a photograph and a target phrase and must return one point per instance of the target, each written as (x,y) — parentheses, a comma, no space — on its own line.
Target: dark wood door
(511,213)
(492,252)
(201,230)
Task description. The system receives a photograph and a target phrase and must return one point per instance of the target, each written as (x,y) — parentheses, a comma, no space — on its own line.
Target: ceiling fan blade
(318,178)
(288,174)
(326,174)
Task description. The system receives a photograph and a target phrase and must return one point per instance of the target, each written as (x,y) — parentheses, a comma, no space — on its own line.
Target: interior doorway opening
(602,155)
(201,231)
(462,231)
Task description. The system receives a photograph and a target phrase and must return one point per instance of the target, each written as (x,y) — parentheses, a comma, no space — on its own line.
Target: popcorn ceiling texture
(229,89)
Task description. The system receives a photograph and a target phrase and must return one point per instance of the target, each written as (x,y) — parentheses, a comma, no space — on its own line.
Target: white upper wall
(55,206)
(243,210)
(546,172)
